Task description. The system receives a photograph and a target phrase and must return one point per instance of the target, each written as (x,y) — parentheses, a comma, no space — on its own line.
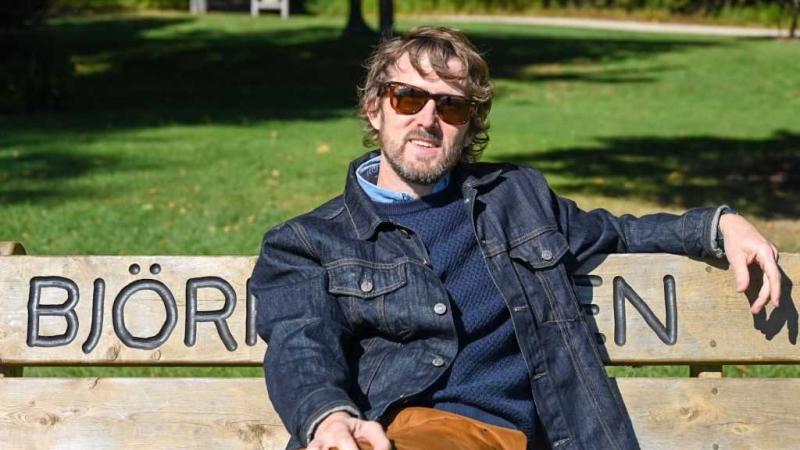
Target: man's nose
(427,116)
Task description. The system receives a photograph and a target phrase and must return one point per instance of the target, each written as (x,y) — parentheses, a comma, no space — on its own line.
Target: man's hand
(743,245)
(341,430)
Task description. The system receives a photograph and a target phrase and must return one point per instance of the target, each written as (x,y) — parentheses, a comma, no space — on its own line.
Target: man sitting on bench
(431,305)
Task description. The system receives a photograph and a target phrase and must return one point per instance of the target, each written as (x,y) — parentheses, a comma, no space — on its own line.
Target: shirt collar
(361,209)
(367,176)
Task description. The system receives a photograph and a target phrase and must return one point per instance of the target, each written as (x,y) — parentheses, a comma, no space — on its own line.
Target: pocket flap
(543,250)
(364,279)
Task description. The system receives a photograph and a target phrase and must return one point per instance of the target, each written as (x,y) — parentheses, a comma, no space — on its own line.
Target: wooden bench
(256,6)
(196,311)
(280,5)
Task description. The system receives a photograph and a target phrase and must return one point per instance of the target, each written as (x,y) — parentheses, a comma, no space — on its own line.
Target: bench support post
(11,248)
(705,371)
(10,371)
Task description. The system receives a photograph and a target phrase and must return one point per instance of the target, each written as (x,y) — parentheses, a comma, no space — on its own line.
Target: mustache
(424,135)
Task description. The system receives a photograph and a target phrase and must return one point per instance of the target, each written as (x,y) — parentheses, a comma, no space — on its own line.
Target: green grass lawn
(194,135)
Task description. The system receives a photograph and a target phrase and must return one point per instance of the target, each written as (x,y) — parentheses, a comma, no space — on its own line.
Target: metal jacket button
(437,362)
(366,285)
(440,308)
(547,255)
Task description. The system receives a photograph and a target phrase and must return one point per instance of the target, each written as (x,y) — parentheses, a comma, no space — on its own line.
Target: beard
(416,170)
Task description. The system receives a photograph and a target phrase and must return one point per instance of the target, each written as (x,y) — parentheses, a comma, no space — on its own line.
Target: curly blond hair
(438,45)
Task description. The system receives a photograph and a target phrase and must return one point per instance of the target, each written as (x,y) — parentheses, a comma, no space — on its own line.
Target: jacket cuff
(714,233)
(316,406)
(697,231)
(312,427)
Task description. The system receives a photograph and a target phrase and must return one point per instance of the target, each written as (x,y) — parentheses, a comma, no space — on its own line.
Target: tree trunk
(387,18)
(356,26)
(795,15)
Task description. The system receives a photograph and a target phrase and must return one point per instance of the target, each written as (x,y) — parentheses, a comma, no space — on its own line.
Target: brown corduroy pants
(418,428)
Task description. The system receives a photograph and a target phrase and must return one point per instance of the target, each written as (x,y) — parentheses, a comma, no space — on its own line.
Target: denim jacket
(345,301)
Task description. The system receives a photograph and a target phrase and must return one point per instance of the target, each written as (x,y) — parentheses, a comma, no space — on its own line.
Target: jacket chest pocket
(539,264)
(363,288)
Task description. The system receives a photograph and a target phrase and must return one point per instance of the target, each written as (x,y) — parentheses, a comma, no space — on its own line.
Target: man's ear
(374,113)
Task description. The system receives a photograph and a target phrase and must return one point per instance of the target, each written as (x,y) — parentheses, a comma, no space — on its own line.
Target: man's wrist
(338,410)
(718,243)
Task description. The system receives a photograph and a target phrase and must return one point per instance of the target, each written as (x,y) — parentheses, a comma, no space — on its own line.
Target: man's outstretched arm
(692,233)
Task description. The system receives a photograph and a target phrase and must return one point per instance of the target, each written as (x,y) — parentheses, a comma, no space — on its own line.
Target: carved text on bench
(193,316)
(621,291)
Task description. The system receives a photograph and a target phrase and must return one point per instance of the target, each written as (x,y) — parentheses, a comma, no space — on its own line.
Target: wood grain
(235,414)
(714,322)
(127,413)
(713,413)
(144,313)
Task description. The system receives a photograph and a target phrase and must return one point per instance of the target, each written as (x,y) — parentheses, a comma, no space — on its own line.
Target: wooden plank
(11,371)
(714,324)
(127,413)
(144,313)
(705,371)
(235,413)
(713,413)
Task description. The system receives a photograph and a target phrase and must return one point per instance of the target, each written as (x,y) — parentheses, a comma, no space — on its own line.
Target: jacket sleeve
(692,233)
(305,365)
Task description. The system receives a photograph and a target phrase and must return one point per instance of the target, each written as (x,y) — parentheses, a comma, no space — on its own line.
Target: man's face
(418,149)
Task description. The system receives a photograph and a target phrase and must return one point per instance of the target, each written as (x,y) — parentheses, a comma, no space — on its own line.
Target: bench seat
(170,310)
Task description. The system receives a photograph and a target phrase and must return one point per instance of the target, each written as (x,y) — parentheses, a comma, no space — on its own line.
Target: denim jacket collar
(363,214)
(475,179)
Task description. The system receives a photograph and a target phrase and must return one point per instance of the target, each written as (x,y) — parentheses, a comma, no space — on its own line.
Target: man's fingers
(739,265)
(340,442)
(345,441)
(763,297)
(339,431)
(773,274)
(373,433)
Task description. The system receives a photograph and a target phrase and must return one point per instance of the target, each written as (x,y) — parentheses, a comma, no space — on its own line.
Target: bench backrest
(196,310)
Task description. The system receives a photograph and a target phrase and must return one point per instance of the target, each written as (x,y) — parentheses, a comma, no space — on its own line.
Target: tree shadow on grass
(288,73)
(758,176)
(137,72)
(548,58)
(205,75)
(40,176)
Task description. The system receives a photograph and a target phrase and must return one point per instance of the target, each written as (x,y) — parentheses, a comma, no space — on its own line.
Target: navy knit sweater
(488,380)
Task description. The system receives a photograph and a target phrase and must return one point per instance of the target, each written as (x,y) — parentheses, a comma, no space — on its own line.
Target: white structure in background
(197,6)
(257,5)
(201,6)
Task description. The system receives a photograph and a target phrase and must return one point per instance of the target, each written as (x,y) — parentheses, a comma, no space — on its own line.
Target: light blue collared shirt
(367,175)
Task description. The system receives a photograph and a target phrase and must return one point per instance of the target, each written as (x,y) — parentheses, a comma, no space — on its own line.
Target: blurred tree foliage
(19,14)
(677,6)
(35,71)
(112,5)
